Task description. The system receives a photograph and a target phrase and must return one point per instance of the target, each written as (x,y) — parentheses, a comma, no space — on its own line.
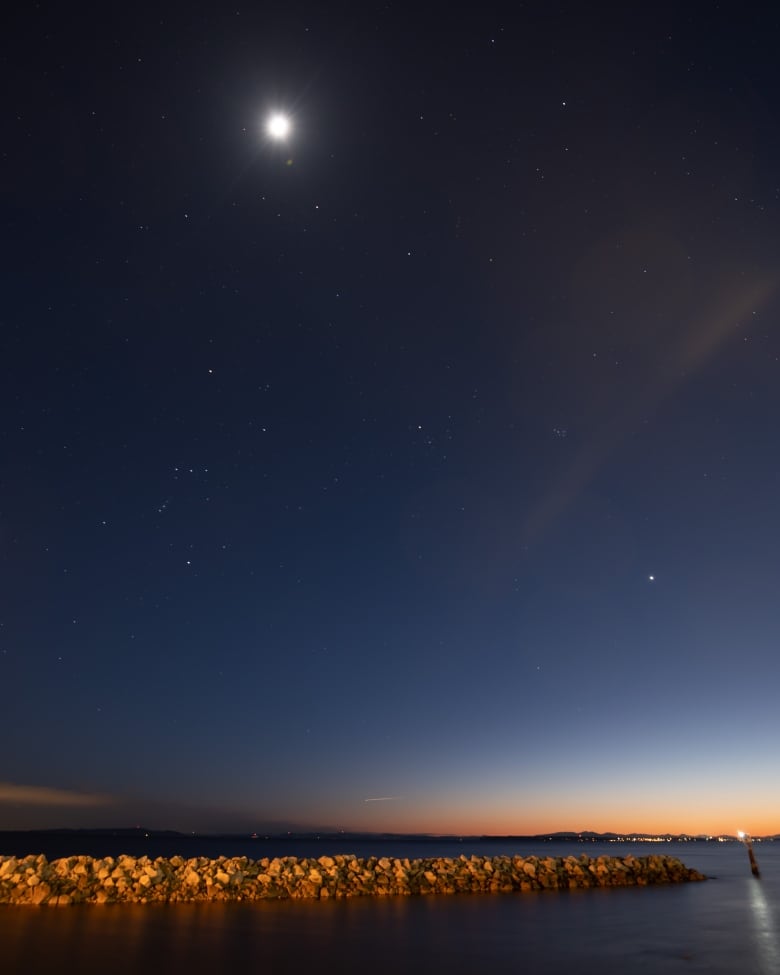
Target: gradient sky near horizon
(418,472)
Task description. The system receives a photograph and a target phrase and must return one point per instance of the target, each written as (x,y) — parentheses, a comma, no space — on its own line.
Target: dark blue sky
(429,456)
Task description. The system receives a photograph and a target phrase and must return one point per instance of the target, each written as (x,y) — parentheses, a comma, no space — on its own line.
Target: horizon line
(332,832)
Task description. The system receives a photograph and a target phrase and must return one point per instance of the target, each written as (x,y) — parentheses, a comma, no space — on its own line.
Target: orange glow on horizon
(675,825)
(725,818)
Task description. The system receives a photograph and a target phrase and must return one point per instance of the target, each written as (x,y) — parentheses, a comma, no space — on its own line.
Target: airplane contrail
(383,799)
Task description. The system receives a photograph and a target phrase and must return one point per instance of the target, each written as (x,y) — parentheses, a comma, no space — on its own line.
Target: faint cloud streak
(695,346)
(41,795)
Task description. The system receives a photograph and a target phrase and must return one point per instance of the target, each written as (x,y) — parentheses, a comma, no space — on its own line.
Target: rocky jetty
(139,880)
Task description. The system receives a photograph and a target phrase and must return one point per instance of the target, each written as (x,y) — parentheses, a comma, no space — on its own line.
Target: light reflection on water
(722,926)
(764,928)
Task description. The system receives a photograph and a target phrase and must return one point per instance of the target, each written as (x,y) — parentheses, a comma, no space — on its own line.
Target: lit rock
(75,880)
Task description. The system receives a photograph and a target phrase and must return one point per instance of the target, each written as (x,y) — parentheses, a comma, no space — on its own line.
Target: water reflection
(765,929)
(720,927)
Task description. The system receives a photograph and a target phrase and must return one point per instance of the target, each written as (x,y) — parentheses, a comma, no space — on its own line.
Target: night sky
(418,471)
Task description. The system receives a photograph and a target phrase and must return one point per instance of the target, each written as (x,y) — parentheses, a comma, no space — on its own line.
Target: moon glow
(278,126)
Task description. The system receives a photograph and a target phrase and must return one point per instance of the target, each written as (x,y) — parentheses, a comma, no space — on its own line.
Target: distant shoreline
(141,832)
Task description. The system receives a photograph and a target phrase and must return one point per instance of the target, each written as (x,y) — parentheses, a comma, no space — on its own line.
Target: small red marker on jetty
(745,837)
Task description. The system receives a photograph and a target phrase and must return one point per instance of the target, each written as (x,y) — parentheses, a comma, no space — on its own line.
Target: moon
(278,126)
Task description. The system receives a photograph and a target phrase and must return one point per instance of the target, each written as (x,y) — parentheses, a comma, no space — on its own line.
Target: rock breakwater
(125,879)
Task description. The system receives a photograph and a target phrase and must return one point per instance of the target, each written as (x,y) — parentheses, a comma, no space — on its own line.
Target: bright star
(278,126)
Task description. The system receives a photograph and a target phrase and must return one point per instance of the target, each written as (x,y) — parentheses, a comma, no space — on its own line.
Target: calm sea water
(730,924)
